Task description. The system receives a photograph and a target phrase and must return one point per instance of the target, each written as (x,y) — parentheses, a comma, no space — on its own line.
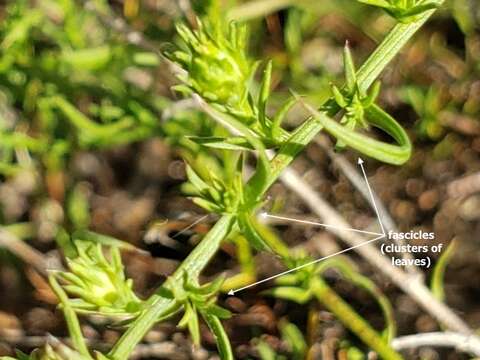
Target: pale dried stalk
(24,251)
(461,342)
(465,186)
(410,284)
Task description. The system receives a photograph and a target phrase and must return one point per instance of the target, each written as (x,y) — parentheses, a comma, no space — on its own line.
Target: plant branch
(358,182)
(389,48)
(411,285)
(257,186)
(24,251)
(349,317)
(160,306)
(461,342)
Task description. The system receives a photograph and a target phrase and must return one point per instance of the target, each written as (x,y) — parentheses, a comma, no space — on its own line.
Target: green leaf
(237,127)
(88,59)
(338,96)
(207,205)
(417,10)
(383,151)
(78,208)
(210,288)
(93,237)
(349,68)
(71,319)
(350,273)
(295,294)
(378,3)
(295,339)
(264,93)
(221,337)
(218,311)
(372,95)
(265,351)
(250,232)
(190,321)
(438,275)
(196,180)
(276,131)
(236,143)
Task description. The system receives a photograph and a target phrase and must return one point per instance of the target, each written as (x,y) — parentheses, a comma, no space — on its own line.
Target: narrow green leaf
(221,337)
(295,294)
(417,10)
(294,337)
(338,96)
(349,68)
(372,94)
(264,93)
(350,273)
(265,351)
(71,319)
(276,130)
(196,180)
(236,143)
(378,3)
(218,311)
(383,151)
(249,231)
(437,282)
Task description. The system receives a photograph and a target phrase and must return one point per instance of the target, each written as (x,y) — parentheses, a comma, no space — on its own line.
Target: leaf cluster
(197,299)
(97,285)
(404,10)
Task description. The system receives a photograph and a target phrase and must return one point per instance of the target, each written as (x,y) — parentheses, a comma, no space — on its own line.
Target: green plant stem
(352,320)
(366,75)
(209,245)
(388,49)
(160,306)
(71,319)
(206,249)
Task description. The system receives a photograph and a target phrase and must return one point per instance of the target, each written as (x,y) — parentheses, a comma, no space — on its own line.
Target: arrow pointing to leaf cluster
(379,236)
(266,215)
(360,162)
(232,292)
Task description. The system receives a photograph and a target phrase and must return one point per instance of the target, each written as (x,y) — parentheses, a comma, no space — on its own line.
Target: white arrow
(232,292)
(360,162)
(317,224)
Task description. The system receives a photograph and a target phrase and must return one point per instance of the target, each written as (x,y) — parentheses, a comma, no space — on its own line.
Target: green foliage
(427,103)
(48,353)
(353,100)
(404,10)
(48,68)
(216,63)
(438,275)
(200,299)
(215,194)
(306,284)
(293,338)
(97,285)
